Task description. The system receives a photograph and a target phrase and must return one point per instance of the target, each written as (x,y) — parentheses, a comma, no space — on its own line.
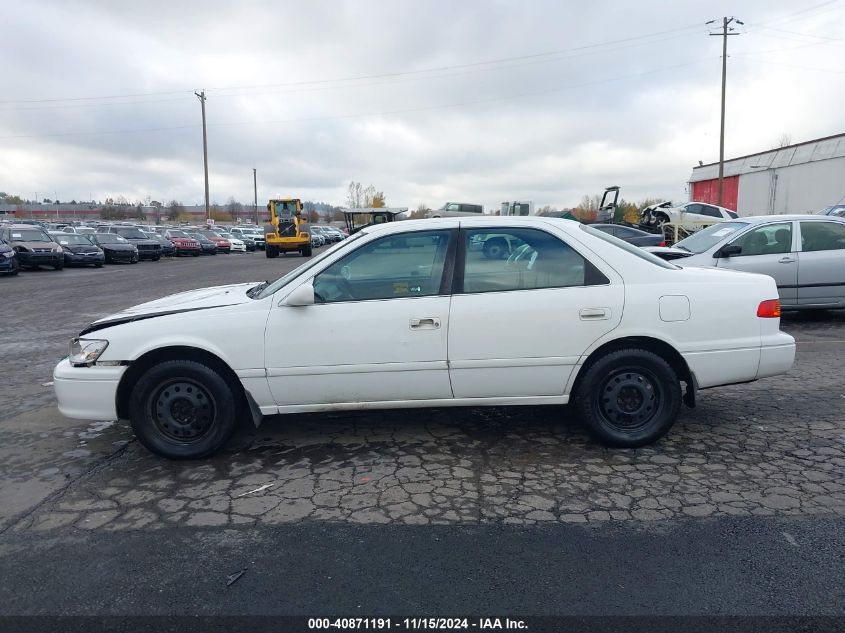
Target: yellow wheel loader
(287,229)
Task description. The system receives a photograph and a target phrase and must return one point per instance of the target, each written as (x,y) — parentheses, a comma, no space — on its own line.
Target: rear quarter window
(625,246)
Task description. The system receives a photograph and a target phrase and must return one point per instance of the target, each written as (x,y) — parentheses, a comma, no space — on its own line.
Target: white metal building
(800,178)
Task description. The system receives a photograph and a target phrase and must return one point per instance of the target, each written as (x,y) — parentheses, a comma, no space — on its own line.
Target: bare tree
(234,208)
(420,212)
(784,140)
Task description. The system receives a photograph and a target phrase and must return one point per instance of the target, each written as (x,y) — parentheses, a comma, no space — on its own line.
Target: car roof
(763,219)
(483,221)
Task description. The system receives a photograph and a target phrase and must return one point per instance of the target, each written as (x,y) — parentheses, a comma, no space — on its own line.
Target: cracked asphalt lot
(770,451)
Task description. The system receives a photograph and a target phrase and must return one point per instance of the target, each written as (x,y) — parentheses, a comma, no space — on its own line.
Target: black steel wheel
(183,409)
(629,397)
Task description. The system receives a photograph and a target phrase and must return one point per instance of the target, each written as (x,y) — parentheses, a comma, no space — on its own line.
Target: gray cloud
(638,113)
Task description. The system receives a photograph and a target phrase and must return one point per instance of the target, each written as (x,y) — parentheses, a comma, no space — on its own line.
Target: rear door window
(522,259)
(822,236)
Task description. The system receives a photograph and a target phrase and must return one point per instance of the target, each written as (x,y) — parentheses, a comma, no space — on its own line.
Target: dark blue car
(9,264)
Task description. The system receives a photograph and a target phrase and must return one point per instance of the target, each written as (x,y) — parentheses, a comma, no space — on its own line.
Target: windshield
(131,233)
(181,234)
(110,238)
(71,239)
(706,239)
(29,235)
(625,246)
(199,237)
(211,233)
(281,281)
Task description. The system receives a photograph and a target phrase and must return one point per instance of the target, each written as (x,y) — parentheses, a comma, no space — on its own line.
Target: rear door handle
(786,260)
(594,314)
(427,323)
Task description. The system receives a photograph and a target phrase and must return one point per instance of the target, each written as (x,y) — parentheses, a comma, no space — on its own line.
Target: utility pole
(255,193)
(201,97)
(724,35)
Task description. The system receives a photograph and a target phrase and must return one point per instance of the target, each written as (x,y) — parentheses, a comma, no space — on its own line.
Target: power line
(508,97)
(421,71)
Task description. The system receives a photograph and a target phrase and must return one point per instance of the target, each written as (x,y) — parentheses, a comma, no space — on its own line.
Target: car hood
(668,250)
(82,248)
(118,246)
(144,241)
(31,245)
(202,299)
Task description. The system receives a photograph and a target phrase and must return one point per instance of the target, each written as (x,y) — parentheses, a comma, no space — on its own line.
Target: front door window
(396,266)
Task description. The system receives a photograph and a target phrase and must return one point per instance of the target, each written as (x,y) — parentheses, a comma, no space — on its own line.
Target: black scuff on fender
(101,325)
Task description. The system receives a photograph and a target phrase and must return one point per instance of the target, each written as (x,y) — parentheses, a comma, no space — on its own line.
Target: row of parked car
(58,245)
(31,245)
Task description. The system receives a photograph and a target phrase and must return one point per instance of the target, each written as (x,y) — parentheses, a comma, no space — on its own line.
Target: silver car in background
(805,254)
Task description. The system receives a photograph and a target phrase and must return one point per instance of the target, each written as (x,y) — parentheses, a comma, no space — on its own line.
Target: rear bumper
(730,366)
(87,393)
(778,356)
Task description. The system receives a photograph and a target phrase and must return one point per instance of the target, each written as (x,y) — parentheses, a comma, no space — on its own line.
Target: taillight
(769,309)
(663,243)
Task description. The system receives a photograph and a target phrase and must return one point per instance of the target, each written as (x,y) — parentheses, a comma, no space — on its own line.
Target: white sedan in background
(659,214)
(237,246)
(422,314)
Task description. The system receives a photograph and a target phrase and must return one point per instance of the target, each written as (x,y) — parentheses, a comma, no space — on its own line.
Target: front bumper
(238,249)
(84,258)
(149,254)
(28,258)
(123,256)
(8,264)
(87,393)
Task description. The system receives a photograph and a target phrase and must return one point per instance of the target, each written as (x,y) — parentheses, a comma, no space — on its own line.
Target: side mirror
(728,251)
(302,296)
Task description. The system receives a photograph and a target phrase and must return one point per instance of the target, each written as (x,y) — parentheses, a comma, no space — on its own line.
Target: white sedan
(236,245)
(441,312)
(659,214)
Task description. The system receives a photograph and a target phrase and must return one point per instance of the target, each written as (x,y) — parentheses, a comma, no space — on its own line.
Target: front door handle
(786,260)
(594,314)
(426,323)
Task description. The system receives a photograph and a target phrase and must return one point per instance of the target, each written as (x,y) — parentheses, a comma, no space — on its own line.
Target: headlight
(7,254)
(85,352)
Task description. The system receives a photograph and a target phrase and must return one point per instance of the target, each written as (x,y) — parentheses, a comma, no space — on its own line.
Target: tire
(271,252)
(156,258)
(98,265)
(183,410)
(628,398)
(496,248)
(59,266)
(306,252)
(195,254)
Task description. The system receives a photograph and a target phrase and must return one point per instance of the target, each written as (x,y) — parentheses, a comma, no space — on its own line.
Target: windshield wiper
(256,289)
(683,248)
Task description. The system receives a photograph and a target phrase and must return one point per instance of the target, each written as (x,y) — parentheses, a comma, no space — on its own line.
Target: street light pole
(255,193)
(724,35)
(201,97)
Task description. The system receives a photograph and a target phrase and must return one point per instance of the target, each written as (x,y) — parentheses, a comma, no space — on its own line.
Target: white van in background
(453,209)
(517,208)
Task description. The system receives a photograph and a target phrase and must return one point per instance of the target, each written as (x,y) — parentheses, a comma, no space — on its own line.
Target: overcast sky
(474,101)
